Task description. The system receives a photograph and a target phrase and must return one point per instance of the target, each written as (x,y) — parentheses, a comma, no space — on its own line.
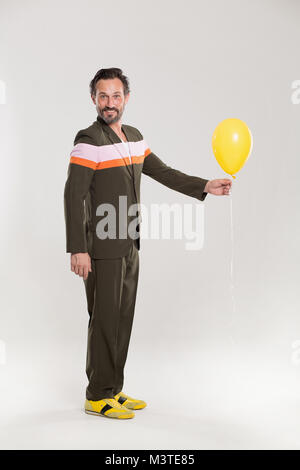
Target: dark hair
(105,74)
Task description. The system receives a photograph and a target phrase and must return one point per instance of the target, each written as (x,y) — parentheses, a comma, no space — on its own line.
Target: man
(105,169)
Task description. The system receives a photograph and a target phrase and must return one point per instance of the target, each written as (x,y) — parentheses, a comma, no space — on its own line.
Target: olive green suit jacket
(100,171)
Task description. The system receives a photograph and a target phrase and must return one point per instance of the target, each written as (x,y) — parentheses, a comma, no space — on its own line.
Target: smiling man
(106,163)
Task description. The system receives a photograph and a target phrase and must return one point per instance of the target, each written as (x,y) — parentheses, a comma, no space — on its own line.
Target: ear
(93,99)
(127,98)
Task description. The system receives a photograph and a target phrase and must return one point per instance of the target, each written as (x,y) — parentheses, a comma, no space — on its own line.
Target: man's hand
(81,264)
(219,187)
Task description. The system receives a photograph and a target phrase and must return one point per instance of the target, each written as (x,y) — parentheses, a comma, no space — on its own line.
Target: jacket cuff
(200,193)
(76,249)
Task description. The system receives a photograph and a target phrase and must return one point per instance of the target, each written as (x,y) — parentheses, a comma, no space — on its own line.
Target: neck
(116,127)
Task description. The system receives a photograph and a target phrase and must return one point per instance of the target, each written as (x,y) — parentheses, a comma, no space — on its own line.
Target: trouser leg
(111,291)
(127,307)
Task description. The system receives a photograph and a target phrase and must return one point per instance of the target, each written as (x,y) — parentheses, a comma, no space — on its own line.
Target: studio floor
(197,399)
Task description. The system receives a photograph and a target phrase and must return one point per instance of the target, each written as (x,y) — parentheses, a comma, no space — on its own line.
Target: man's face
(110,100)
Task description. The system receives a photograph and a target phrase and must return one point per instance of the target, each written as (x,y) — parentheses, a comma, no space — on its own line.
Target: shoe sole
(124,416)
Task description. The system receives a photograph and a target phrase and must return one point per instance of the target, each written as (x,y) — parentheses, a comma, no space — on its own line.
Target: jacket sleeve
(82,165)
(174,179)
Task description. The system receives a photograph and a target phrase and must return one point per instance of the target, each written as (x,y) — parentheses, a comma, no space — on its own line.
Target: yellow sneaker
(108,407)
(129,402)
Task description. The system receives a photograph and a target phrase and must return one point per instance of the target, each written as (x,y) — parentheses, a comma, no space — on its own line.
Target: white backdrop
(190,65)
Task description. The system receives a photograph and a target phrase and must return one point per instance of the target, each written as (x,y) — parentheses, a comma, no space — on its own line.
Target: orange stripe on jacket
(109,163)
(84,162)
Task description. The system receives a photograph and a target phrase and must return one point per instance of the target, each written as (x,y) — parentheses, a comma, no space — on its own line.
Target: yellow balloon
(232,144)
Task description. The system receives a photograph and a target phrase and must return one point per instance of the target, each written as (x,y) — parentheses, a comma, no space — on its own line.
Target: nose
(110,103)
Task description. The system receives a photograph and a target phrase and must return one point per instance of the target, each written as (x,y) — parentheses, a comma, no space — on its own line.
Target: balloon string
(231,272)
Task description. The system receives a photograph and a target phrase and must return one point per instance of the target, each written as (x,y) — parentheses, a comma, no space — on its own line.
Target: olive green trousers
(111,290)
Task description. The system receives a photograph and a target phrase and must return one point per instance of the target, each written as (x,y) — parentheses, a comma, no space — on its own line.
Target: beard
(110,118)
